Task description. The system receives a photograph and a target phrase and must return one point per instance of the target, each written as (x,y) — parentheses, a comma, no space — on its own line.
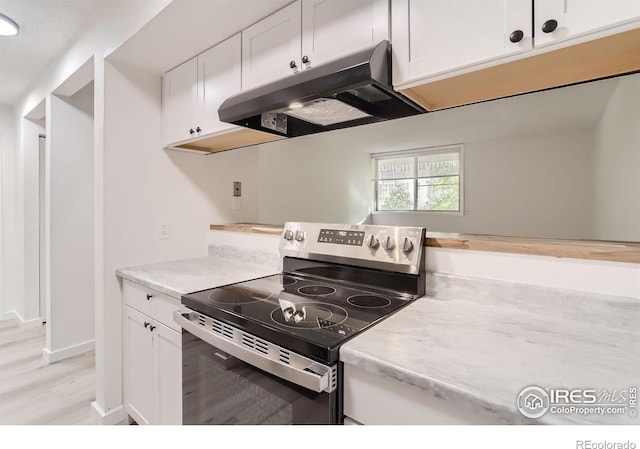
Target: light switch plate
(163,230)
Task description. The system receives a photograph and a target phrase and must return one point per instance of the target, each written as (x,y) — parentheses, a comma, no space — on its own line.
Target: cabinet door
(167,368)
(138,371)
(180,102)
(219,77)
(580,16)
(435,36)
(334,28)
(269,46)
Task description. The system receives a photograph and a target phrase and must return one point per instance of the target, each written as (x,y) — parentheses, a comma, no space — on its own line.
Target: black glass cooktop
(305,314)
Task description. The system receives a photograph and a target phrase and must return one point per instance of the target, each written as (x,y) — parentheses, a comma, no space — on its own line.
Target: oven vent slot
(334,378)
(222,329)
(201,321)
(285,357)
(248,341)
(262,346)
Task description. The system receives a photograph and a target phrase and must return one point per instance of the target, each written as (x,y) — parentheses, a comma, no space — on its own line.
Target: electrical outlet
(237,189)
(163,230)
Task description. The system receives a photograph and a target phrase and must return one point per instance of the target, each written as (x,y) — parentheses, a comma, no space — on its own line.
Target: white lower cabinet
(374,399)
(152,365)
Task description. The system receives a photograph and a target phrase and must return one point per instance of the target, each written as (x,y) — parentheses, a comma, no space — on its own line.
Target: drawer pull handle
(151,328)
(149,297)
(146,324)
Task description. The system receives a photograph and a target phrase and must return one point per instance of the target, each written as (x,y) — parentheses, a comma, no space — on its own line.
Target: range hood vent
(350,91)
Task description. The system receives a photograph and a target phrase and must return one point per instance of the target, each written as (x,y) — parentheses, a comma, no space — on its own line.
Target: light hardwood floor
(32,392)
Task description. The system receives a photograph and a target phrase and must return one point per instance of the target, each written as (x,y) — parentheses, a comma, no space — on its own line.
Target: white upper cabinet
(556,20)
(435,39)
(180,101)
(434,36)
(219,77)
(309,33)
(271,47)
(194,90)
(334,28)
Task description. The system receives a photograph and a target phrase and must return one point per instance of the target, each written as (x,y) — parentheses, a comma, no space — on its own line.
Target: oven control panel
(394,248)
(340,237)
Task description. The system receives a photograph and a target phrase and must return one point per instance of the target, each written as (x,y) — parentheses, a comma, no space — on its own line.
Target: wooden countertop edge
(577,249)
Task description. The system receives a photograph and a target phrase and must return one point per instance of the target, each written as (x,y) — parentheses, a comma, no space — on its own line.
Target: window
(425,180)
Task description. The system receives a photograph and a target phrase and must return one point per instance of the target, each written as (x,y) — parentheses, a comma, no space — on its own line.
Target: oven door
(218,388)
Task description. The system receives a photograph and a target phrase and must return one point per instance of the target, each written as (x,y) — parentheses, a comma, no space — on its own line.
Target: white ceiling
(186,28)
(47,29)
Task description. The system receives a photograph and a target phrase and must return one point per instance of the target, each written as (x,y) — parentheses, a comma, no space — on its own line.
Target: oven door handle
(298,370)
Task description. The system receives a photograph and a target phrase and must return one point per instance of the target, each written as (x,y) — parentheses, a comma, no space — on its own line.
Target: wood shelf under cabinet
(577,249)
(236,138)
(609,56)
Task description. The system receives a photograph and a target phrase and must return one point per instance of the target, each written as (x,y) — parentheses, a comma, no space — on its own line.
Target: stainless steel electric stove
(266,351)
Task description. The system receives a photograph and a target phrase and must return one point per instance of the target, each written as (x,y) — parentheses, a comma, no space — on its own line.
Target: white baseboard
(31,323)
(115,416)
(64,353)
(24,324)
(11,315)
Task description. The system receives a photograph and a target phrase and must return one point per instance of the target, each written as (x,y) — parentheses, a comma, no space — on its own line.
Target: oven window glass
(220,389)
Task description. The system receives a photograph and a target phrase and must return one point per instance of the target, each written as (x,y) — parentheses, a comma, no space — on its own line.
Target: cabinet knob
(549,26)
(146,324)
(292,64)
(305,59)
(191,131)
(149,297)
(516,36)
(151,328)
(198,129)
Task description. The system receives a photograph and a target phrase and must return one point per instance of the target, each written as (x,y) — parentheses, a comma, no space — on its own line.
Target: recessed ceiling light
(8,27)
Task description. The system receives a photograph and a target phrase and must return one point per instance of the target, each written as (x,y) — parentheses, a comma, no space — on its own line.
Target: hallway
(32,392)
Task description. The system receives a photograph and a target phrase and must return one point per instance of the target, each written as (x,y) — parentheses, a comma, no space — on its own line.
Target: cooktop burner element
(368,301)
(316,290)
(241,296)
(337,280)
(287,280)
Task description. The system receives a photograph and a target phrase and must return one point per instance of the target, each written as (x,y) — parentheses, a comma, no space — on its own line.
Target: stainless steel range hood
(350,91)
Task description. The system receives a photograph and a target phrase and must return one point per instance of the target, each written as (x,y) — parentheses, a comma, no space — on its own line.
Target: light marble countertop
(223,266)
(478,343)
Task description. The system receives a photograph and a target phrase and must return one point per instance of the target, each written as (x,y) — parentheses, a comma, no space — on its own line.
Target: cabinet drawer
(156,305)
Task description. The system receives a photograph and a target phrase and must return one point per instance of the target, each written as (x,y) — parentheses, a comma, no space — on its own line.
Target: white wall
(144,184)
(529,185)
(617,165)
(307,180)
(8,204)
(535,186)
(71,259)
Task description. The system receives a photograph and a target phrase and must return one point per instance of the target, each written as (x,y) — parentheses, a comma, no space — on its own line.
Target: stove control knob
(388,243)
(288,235)
(372,241)
(406,245)
(299,236)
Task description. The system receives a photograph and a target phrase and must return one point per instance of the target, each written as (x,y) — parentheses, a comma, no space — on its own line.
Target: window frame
(416,152)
